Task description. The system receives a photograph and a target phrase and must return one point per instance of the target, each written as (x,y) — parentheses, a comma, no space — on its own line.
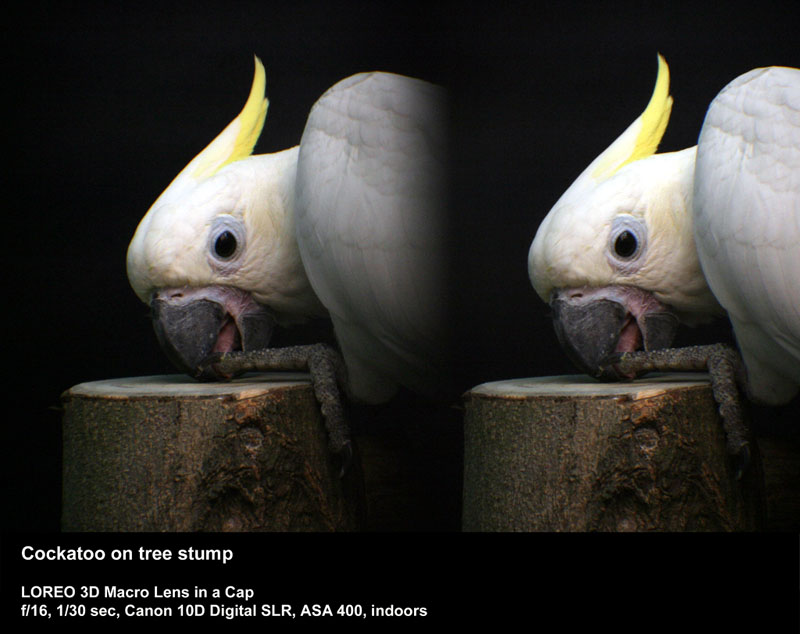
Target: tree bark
(572,454)
(165,453)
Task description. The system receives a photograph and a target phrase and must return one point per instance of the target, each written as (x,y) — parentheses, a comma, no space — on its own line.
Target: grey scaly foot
(328,379)
(726,371)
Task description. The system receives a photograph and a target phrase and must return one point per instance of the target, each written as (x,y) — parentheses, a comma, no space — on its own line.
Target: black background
(108,101)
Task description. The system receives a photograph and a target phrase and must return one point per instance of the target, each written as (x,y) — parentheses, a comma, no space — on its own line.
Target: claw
(742,460)
(327,379)
(346,456)
(212,369)
(614,365)
(724,367)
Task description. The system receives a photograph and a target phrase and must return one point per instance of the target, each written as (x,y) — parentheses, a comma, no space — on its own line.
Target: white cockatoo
(349,224)
(642,241)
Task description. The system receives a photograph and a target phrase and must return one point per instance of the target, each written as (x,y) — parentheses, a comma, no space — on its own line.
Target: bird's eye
(225,245)
(626,244)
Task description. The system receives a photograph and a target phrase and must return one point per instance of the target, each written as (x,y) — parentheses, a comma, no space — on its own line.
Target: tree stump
(569,453)
(166,453)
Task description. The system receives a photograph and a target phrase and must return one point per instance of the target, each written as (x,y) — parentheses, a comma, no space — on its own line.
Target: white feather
(369,201)
(747,221)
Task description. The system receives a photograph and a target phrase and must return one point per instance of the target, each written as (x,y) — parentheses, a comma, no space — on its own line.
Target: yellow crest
(239,138)
(641,139)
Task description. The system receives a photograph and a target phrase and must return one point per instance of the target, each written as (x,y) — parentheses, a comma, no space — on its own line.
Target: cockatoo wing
(370,226)
(747,222)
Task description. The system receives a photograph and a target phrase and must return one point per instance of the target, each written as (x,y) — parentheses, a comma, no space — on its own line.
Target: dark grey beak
(187,333)
(590,330)
(588,333)
(190,331)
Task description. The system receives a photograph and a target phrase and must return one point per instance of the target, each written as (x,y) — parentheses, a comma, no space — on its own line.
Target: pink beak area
(191,323)
(593,323)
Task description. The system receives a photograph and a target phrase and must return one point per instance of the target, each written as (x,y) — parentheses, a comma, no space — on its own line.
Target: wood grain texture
(572,454)
(165,453)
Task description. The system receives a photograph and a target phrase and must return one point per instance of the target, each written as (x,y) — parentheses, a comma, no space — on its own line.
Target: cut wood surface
(569,453)
(166,453)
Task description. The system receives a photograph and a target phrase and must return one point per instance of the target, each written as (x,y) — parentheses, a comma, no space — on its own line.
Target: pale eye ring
(226,242)
(627,243)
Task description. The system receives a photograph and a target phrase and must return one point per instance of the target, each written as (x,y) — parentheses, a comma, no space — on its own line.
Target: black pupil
(225,246)
(625,245)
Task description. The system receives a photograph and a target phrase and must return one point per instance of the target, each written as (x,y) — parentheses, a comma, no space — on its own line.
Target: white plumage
(351,224)
(747,222)
(689,231)
(369,226)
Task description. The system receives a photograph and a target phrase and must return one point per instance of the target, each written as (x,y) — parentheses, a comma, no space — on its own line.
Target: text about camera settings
(220,600)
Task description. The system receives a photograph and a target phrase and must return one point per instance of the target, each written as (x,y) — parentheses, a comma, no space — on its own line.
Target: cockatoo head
(215,256)
(615,257)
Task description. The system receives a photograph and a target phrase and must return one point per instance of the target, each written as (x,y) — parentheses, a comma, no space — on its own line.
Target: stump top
(587,387)
(179,385)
